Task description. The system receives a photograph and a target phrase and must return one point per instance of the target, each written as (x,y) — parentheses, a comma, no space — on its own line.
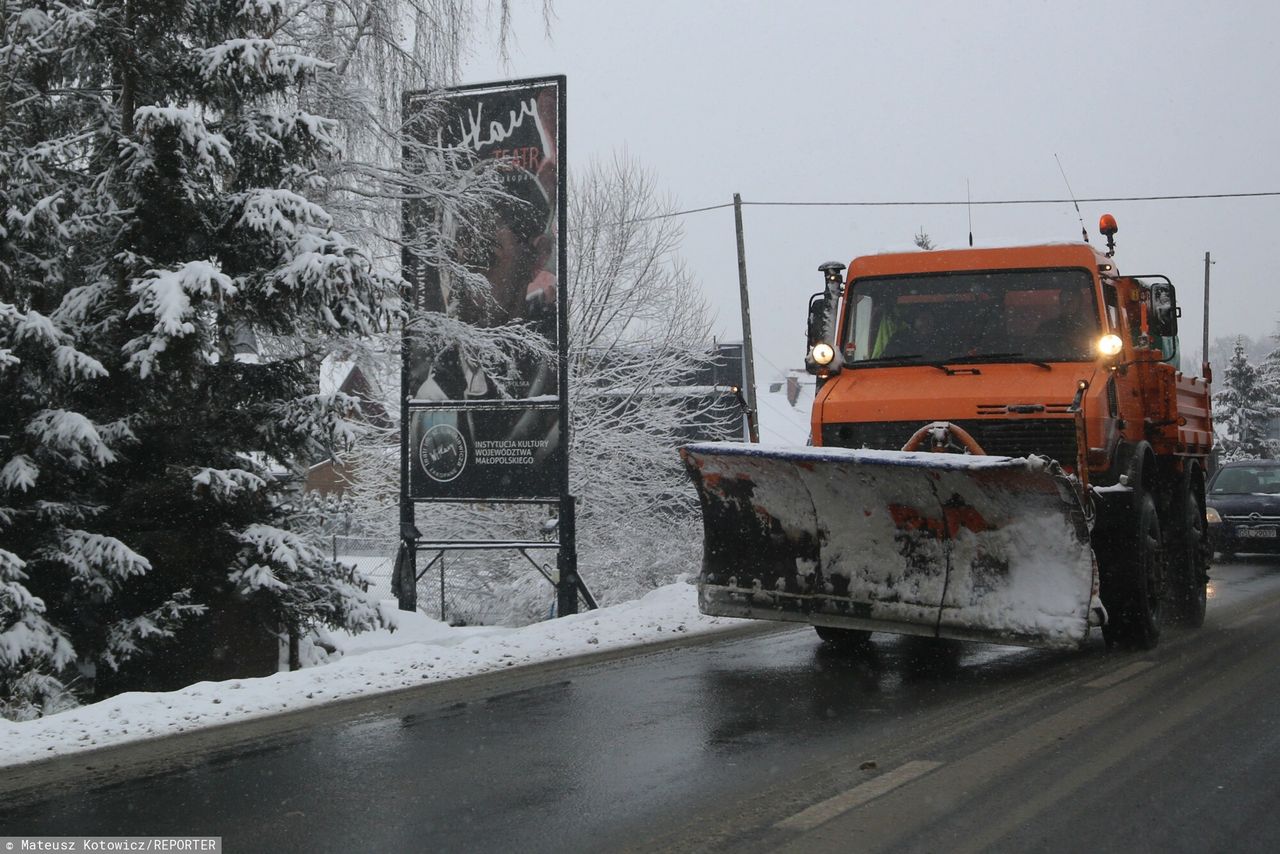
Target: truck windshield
(1018,315)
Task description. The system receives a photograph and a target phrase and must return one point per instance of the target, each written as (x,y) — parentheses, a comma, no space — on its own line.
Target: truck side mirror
(817,325)
(1164,310)
(824,306)
(822,356)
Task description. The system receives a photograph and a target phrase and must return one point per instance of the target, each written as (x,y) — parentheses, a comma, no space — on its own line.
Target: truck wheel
(1189,560)
(1133,582)
(843,637)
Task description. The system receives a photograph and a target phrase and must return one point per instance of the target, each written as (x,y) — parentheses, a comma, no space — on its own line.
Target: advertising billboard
(483,407)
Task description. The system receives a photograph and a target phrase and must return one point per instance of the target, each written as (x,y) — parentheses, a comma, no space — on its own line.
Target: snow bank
(418,652)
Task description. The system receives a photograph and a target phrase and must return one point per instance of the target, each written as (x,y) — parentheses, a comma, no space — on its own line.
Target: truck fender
(1119,505)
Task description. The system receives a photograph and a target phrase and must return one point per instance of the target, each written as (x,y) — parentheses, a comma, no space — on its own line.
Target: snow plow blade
(957,546)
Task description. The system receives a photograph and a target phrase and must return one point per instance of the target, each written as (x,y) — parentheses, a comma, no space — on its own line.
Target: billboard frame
(569,585)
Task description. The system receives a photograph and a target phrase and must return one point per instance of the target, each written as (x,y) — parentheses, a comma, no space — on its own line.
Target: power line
(798,419)
(1100,199)
(772,365)
(953,203)
(680,213)
(790,413)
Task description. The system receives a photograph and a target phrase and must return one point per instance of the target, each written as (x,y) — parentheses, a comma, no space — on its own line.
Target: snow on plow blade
(947,545)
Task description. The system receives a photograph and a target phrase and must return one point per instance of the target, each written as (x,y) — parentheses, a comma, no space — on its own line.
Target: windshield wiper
(941,364)
(884,360)
(907,361)
(997,357)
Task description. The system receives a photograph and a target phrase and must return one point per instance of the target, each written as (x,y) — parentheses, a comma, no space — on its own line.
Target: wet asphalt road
(763,743)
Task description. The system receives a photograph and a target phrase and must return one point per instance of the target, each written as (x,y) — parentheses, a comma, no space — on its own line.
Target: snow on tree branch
(268,10)
(71,433)
(246,60)
(326,421)
(31,638)
(80,303)
(225,484)
(27,641)
(285,564)
(128,637)
(329,275)
(34,327)
(212,150)
(41,213)
(19,474)
(281,213)
(167,295)
(97,561)
(73,364)
(274,129)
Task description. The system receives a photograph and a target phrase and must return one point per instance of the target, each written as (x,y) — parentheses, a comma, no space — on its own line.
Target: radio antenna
(1083,231)
(968,202)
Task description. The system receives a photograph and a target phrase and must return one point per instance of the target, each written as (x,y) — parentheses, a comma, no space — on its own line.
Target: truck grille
(1053,437)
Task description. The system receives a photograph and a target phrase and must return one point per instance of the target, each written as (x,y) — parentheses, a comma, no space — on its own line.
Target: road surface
(763,743)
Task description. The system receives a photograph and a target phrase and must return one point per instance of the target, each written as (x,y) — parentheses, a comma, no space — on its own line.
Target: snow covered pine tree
(1269,383)
(154,172)
(1243,406)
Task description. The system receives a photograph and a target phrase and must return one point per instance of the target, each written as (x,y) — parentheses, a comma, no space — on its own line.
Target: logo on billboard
(443,453)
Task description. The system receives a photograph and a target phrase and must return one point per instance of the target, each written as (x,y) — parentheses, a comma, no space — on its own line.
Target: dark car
(1243,507)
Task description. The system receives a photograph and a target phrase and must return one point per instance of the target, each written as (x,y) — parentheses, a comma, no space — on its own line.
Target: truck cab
(1011,345)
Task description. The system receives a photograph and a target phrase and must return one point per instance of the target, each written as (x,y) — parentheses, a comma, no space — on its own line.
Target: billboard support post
(567,560)
(567,583)
(404,577)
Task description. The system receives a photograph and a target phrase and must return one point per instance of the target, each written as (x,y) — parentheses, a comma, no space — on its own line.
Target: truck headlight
(822,353)
(1110,345)
(1211,516)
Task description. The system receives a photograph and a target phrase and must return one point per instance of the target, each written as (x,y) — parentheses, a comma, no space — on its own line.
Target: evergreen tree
(1269,380)
(156,179)
(1242,408)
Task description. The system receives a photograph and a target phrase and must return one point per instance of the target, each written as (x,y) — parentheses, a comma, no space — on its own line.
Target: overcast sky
(863,101)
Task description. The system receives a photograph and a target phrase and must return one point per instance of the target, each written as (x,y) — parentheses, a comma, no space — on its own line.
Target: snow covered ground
(419,651)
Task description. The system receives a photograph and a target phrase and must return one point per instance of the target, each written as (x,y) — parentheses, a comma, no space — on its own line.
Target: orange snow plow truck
(1003,448)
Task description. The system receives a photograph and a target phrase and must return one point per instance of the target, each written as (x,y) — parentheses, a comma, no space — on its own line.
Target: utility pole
(753,427)
(1204,369)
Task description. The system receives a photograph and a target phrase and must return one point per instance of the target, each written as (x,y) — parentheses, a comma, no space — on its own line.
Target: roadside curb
(162,753)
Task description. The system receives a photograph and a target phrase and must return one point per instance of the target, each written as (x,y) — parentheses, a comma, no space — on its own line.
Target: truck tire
(846,638)
(1131,564)
(1189,558)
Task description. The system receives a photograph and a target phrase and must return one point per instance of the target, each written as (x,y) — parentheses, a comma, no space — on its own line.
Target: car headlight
(822,353)
(1110,344)
(1212,517)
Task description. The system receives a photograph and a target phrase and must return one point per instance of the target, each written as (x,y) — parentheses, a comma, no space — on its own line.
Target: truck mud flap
(946,545)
